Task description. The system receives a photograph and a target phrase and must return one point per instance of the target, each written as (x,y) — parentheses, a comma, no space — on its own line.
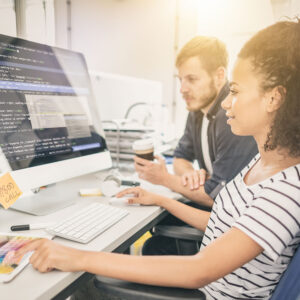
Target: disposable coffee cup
(144,149)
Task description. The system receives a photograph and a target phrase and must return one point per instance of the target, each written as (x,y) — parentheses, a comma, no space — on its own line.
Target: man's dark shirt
(229,153)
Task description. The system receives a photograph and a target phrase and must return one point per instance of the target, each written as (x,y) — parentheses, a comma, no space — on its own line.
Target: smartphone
(10,265)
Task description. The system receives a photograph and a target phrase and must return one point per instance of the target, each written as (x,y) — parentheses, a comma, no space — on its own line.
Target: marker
(130,183)
(29,226)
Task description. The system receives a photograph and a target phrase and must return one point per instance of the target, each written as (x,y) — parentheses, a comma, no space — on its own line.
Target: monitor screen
(48,117)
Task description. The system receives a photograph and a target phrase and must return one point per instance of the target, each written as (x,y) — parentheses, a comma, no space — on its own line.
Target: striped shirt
(269,213)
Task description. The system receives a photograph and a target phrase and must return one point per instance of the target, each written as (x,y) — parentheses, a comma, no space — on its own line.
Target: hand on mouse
(121,200)
(140,196)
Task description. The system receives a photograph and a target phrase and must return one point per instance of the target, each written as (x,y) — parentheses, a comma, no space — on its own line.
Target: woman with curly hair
(253,229)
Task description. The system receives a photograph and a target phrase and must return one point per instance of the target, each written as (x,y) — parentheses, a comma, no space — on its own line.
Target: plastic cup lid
(143,144)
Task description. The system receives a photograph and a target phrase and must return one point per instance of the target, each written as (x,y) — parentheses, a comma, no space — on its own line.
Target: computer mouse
(115,200)
(120,201)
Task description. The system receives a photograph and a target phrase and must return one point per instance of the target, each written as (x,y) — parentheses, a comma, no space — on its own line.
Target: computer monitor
(50,130)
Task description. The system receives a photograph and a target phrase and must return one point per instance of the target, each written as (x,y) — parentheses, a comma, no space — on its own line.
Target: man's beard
(207,100)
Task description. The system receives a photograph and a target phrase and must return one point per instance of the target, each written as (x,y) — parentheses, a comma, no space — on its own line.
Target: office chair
(132,291)
(288,287)
(187,239)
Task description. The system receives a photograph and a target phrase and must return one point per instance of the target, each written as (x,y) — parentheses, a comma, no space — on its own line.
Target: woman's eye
(233,92)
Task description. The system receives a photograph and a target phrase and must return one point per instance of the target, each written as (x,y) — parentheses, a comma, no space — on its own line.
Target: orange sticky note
(9,191)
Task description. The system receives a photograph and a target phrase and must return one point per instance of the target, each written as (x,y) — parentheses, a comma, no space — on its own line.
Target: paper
(9,191)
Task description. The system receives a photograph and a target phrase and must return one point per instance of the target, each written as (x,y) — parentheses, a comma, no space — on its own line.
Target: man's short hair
(211,52)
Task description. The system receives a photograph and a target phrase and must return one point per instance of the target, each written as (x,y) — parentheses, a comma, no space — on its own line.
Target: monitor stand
(46,201)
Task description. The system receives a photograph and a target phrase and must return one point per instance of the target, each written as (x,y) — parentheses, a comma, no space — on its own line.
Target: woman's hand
(49,255)
(140,196)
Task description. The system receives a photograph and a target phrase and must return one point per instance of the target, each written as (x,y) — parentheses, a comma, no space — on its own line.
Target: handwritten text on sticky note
(9,191)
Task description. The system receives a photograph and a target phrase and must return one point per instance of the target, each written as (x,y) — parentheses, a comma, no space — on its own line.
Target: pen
(130,183)
(29,226)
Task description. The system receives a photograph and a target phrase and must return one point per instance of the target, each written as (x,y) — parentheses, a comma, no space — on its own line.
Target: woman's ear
(275,98)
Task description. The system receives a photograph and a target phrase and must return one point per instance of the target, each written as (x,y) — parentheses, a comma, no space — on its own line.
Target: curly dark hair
(275,54)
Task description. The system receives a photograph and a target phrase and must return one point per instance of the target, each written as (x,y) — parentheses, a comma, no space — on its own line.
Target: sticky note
(90,192)
(9,191)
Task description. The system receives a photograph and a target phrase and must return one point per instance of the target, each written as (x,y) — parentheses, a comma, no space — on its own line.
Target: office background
(130,39)
(140,38)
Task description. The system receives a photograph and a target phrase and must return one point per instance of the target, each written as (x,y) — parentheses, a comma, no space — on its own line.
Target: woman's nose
(226,103)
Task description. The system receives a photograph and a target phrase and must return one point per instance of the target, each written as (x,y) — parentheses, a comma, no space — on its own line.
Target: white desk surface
(30,284)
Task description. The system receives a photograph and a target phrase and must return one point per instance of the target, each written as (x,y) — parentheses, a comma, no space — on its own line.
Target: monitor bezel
(34,177)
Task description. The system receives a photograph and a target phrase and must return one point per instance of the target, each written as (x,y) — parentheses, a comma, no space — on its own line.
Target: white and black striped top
(269,213)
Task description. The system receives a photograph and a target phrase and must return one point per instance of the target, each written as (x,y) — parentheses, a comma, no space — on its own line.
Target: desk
(30,284)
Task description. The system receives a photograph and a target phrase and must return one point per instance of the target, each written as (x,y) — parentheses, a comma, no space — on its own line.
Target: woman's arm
(193,216)
(157,173)
(174,183)
(230,251)
(223,256)
(190,215)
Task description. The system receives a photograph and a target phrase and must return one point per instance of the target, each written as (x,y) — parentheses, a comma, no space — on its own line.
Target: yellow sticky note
(90,192)
(9,191)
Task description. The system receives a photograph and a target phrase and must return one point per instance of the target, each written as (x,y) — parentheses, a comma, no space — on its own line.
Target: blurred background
(130,45)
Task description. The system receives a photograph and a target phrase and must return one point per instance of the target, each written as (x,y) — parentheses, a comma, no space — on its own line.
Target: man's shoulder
(221,119)
(194,116)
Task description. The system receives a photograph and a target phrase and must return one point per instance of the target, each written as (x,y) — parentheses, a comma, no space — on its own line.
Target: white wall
(187,14)
(7,17)
(234,21)
(140,38)
(116,93)
(131,37)
(284,9)
(40,21)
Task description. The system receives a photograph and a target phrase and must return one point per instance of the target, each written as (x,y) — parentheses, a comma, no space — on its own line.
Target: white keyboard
(88,223)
